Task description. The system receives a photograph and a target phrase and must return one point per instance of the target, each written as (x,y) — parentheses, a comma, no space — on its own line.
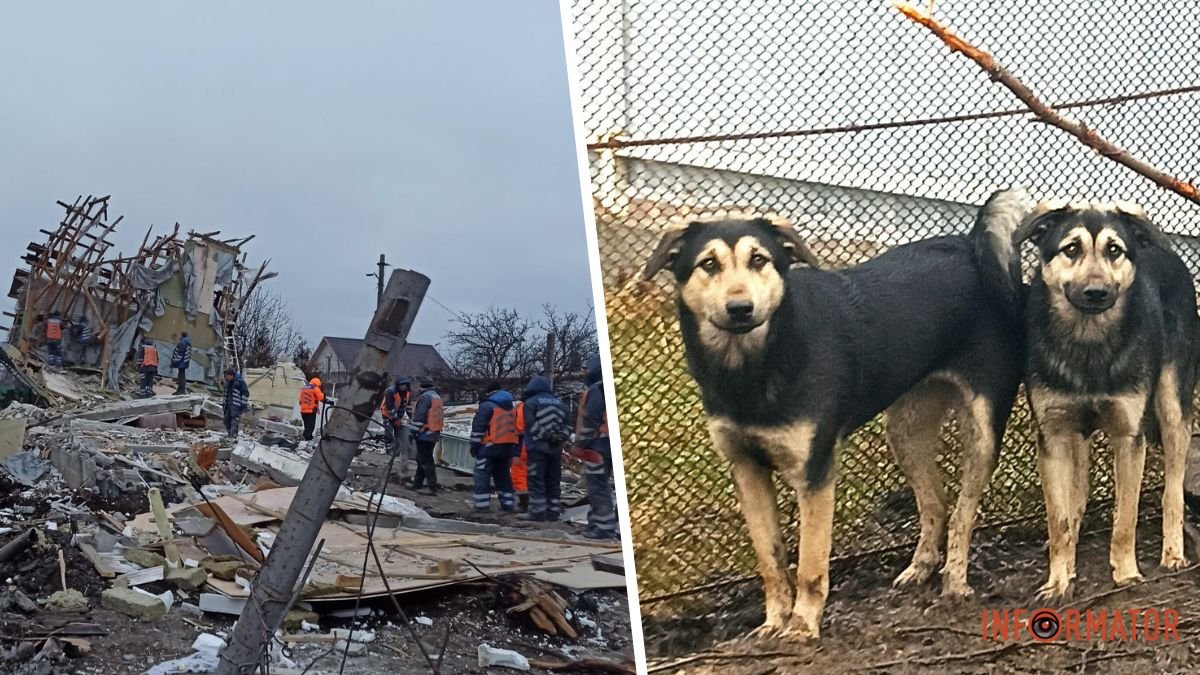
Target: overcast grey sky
(436,132)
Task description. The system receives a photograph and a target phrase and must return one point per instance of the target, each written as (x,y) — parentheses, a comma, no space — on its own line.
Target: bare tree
(574,338)
(266,332)
(497,343)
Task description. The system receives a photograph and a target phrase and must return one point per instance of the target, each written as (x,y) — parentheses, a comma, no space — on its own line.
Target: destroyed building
(172,283)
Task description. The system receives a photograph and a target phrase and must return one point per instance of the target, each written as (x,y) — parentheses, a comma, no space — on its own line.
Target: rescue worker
(237,400)
(311,398)
(396,410)
(546,430)
(54,333)
(520,464)
(592,446)
(427,423)
(147,363)
(181,358)
(493,444)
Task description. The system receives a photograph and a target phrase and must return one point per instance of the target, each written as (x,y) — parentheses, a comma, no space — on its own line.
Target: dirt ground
(871,628)
(463,616)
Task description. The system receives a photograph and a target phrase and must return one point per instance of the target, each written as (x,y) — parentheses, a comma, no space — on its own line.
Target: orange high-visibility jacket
(53,329)
(603,430)
(149,356)
(399,401)
(520,466)
(311,395)
(435,417)
(502,429)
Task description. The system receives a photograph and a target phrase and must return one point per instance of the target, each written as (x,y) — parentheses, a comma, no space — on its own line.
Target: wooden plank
(243,541)
(101,566)
(164,525)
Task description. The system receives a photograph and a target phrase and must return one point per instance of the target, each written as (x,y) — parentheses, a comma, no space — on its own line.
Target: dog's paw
(957,590)
(767,631)
(915,574)
(1054,589)
(1128,579)
(800,632)
(1173,561)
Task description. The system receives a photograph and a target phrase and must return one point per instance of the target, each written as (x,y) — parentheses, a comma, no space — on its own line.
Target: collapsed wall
(108,302)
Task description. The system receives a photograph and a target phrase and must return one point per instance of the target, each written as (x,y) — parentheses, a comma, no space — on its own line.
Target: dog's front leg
(812,574)
(1129,462)
(757,499)
(1122,424)
(812,473)
(1060,447)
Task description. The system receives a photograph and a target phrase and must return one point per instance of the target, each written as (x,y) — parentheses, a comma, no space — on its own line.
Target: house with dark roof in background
(335,356)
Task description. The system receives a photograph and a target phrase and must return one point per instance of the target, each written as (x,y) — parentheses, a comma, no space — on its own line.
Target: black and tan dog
(1112,336)
(791,361)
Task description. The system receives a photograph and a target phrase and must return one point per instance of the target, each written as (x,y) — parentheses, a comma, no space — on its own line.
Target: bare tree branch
(500,344)
(1044,112)
(266,332)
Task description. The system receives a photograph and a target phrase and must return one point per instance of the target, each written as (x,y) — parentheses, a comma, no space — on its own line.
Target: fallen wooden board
(581,578)
(101,566)
(239,537)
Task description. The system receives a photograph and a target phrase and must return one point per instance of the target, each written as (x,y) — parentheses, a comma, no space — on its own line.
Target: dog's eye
(709,265)
(758,261)
(1115,251)
(1072,250)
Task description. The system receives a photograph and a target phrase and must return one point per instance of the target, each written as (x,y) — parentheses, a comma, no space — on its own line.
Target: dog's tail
(998,255)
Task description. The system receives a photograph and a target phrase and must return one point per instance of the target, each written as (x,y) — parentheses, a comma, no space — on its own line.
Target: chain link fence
(863,131)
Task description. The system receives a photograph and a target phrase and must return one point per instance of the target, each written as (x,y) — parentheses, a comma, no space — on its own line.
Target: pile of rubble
(141,512)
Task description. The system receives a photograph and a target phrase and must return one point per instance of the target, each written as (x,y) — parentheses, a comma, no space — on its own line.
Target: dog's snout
(1096,294)
(739,310)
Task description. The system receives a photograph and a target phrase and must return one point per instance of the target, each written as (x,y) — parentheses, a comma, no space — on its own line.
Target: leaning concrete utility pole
(340,439)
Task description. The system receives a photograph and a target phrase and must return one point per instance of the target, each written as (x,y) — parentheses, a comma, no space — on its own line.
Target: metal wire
(864,132)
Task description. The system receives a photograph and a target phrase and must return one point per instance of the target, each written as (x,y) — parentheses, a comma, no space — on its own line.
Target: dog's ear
(666,250)
(1144,229)
(1035,224)
(796,246)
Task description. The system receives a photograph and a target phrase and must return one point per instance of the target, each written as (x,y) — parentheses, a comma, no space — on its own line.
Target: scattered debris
(133,516)
(504,658)
(132,603)
(68,600)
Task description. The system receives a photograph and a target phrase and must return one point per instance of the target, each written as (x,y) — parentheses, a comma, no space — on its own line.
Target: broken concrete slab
(137,408)
(164,420)
(78,467)
(282,466)
(280,428)
(144,449)
(186,578)
(62,385)
(131,603)
(12,437)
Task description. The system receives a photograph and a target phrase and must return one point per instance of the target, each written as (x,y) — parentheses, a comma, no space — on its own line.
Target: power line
(876,126)
(437,302)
